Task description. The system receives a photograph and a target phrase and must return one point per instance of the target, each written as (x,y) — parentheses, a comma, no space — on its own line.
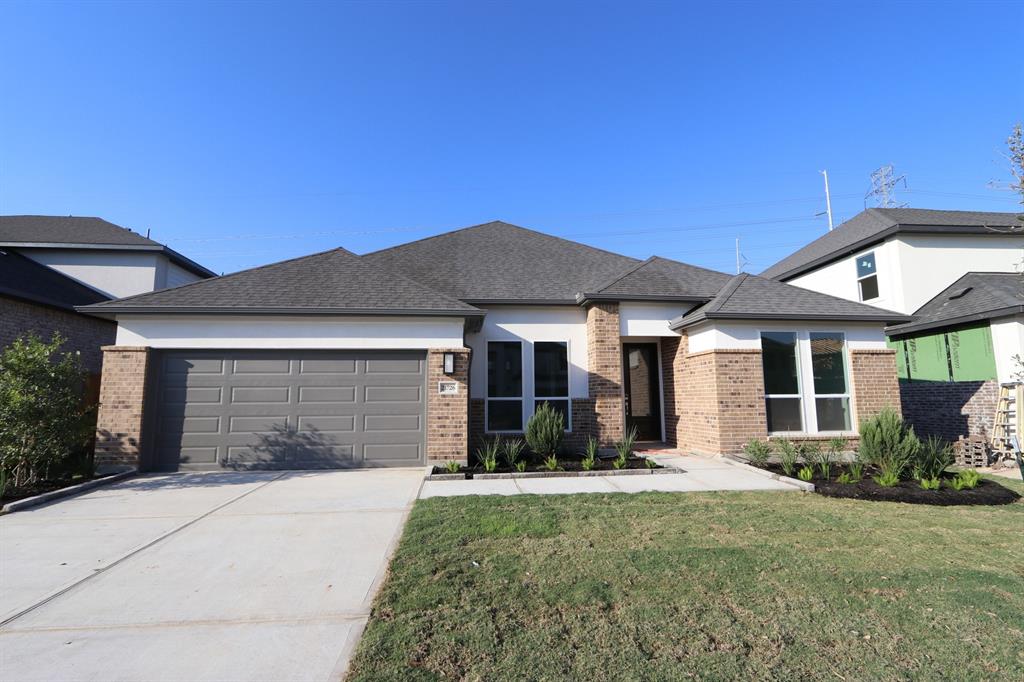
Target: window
(504,386)
(805,380)
(867,278)
(551,376)
(781,381)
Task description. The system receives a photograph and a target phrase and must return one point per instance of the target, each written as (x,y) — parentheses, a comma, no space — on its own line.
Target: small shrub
(817,456)
(512,449)
(589,454)
(836,446)
(966,479)
(788,455)
(856,470)
(887,479)
(932,458)
(930,483)
(758,452)
(887,443)
(521,466)
(625,446)
(451,466)
(545,430)
(487,455)
(806,473)
(650,463)
(551,463)
(846,478)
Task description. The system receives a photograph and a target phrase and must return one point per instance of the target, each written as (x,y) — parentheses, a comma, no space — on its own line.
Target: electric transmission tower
(883,187)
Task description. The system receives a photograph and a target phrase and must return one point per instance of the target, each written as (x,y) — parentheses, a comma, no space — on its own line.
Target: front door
(643,399)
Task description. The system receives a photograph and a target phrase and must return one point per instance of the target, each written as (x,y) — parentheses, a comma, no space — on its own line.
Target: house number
(448,387)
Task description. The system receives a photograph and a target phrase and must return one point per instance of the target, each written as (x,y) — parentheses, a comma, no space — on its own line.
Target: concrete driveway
(220,576)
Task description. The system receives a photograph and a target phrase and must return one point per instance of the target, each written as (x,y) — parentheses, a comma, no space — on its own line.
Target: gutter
(899,330)
(105,311)
(682,323)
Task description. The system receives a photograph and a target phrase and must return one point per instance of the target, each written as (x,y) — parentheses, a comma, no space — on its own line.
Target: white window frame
(568,383)
(522,389)
(805,383)
(874,257)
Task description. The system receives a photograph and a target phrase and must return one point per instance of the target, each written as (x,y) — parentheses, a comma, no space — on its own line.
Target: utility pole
(737,255)
(828,201)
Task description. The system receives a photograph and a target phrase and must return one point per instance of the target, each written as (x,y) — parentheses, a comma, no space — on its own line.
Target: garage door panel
(290,409)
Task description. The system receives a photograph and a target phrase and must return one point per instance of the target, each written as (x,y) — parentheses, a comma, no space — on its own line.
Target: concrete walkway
(221,576)
(699,474)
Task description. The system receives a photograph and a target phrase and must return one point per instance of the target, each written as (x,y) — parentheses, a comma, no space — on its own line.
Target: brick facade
(875,385)
(83,333)
(950,409)
(122,397)
(448,427)
(604,359)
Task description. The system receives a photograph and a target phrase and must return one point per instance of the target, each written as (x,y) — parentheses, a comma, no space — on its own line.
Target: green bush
(545,430)
(856,470)
(887,479)
(788,455)
(551,463)
(930,483)
(487,455)
(451,466)
(846,478)
(512,449)
(758,452)
(43,415)
(934,456)
(966,479)
(888,444)
(806,473)
(589,454)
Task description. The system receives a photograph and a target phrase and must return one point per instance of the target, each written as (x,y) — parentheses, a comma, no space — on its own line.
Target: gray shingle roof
(81,232)
(975,296)
(497,261)
(875,224)
(23,278)
(336,281)
(662,278)
(752,298)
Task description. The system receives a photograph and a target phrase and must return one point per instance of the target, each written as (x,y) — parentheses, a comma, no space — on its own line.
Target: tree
(43,414)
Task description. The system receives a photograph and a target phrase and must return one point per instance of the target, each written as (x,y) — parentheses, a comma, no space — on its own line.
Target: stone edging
(554,474)
(60,493)
(737,462)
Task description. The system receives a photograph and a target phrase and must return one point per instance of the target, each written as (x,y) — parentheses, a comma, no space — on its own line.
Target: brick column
(673,352)
(119,421)
(604,358)
(447,415)
(875,382)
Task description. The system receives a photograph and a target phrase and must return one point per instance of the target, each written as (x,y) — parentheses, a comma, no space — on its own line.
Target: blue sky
(241,134)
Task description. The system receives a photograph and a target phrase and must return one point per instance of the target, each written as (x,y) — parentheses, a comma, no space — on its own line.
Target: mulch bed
(911,492)
(565,464)
(38,488)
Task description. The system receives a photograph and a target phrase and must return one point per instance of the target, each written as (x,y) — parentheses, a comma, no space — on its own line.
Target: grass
(707,586)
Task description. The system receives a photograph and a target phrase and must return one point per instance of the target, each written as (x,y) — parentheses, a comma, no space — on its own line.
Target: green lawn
(714,586)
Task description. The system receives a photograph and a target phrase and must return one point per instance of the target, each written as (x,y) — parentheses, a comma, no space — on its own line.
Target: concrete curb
(577,474)
(70,491)
(737,462)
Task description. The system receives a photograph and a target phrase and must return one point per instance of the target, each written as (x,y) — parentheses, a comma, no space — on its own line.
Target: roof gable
(335,281)
(23,278)
(875,224)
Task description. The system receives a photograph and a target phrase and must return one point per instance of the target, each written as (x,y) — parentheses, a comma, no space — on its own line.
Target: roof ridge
(723,296)
(691,265)
(618,278)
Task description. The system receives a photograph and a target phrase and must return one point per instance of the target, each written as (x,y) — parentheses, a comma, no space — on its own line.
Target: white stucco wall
(747,335)
(649,319)
(914,268)
(277,332)
(114,273)
(529,324)
(1007,341)
(175,276)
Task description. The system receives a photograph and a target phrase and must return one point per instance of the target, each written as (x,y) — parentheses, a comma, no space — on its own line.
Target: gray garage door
(287,409)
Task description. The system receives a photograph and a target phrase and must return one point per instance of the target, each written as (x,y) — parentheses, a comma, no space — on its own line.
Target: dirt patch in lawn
(987,492)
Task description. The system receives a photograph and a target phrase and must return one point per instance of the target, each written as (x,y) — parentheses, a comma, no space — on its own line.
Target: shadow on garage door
(286,409)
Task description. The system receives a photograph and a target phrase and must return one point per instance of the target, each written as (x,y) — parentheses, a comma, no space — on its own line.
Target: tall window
(504,386)
(805,379)
(781,381)
(551,376)
(867,278)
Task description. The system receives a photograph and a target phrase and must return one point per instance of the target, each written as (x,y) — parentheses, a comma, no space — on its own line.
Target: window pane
(550,369)
(504,370)
(827,359)
(778,355)
(560,406)
(504,415)
(833,414)
(869,288)
(784,414)
(866,265)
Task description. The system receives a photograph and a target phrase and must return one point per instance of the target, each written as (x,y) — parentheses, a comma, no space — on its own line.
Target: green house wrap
(964,354)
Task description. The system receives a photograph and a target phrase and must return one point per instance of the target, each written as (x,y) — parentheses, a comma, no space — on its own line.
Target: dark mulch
(564,464)
(38,488)
(911,492)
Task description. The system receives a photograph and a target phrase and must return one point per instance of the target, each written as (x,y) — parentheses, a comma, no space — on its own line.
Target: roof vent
(959,293)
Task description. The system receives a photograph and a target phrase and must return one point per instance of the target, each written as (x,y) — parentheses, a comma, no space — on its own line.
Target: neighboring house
(418,352)
(50,264)
(954,271)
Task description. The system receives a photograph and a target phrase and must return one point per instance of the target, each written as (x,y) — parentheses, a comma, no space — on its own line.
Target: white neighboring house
(50,264)
(956,272)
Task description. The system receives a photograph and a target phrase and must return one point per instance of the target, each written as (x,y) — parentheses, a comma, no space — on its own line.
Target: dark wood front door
(643,398)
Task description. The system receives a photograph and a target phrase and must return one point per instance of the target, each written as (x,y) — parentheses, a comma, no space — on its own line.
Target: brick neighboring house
(956,273)
(50,264)
(419,351)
